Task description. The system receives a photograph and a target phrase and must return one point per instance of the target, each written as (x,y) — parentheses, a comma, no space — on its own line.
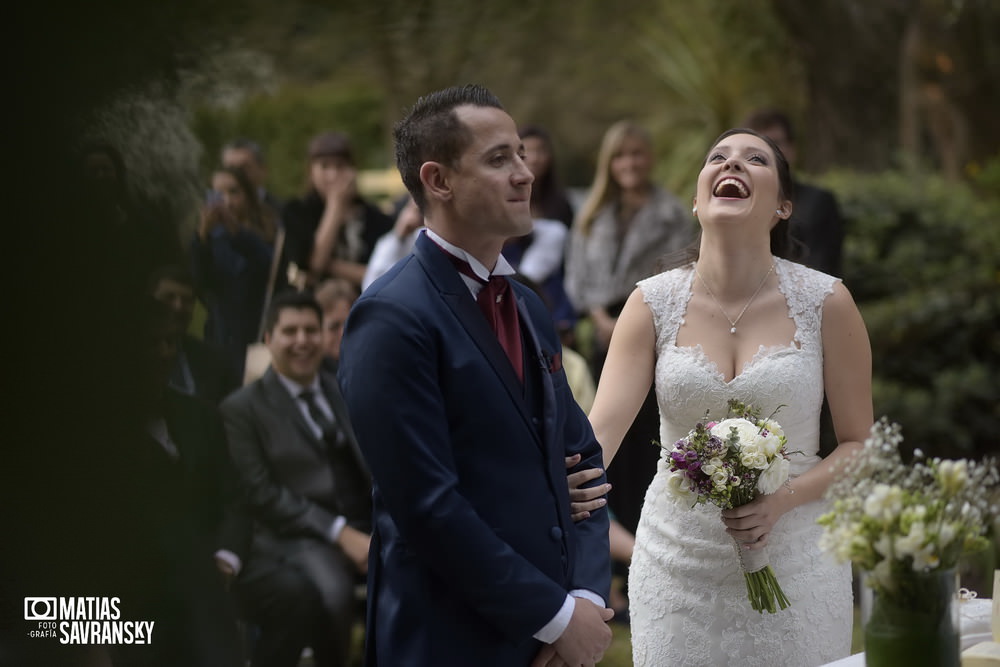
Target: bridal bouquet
(728,463)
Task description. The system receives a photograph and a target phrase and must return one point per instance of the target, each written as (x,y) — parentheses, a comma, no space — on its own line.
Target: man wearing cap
(331,231)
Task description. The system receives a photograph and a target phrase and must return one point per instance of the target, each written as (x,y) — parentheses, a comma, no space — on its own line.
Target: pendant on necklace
(733,330)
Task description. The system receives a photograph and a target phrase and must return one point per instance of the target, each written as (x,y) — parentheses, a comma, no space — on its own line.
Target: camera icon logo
(40,609)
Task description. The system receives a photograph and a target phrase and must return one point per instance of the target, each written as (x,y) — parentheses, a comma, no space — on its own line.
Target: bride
(737,320)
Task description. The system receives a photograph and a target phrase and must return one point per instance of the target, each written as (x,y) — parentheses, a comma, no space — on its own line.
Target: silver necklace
(732,322)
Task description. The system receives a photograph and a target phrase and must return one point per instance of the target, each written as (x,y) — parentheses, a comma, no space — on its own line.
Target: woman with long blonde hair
(626,224)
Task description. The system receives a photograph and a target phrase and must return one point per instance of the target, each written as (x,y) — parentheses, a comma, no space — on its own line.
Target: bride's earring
(778,211)
(694,210)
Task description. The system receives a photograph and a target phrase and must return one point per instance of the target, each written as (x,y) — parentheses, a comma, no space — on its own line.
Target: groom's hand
(355,544)
(584,501)
(585,639)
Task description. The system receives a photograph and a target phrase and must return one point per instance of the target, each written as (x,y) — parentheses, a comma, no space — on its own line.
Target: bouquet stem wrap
(763,590)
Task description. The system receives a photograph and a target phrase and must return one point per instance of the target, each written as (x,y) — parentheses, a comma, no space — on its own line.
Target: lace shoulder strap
(667,295)
(805,290)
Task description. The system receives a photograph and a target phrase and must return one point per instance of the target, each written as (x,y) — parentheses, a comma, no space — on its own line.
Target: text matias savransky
(85,621)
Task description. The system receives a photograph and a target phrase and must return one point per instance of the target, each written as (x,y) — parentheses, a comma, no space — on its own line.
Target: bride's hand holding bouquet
(750,524)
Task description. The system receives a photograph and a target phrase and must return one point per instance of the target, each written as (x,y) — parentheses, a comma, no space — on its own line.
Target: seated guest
(246,154)
(308,491)
(539,257)
(331,229)
(195,525)
(141,225)
(232,253)
(396,244)
(335,297)
(200,368)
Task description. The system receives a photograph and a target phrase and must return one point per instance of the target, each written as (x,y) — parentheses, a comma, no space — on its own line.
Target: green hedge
(922,259)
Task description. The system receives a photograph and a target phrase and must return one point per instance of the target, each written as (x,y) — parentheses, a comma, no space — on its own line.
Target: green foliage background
(922,259)
(922,249)
(922,254)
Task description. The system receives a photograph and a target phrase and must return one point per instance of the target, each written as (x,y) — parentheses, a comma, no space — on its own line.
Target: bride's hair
(783,244)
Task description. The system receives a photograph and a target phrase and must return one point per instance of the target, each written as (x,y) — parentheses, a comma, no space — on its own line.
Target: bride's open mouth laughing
(731,188)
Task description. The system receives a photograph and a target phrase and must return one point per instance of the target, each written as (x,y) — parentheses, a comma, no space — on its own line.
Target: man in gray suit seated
(309,493)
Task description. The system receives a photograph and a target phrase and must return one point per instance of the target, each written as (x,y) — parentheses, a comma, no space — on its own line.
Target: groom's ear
(434,177)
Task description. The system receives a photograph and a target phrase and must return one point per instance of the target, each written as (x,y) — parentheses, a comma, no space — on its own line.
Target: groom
(462,410)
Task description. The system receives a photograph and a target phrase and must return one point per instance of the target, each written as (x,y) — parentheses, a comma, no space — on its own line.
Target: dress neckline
(763,351)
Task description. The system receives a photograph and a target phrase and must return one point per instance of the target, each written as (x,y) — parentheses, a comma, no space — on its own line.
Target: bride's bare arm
(847,378)
(626,376)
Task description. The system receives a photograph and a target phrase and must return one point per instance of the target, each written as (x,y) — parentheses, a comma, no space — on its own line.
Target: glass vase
(914,622)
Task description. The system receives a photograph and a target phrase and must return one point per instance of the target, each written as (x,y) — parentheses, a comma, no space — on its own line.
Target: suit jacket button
(555,533)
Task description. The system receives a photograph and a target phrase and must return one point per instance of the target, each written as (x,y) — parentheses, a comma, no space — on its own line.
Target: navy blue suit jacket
(473,549)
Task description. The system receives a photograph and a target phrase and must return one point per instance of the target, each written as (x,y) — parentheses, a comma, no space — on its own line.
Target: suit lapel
(534,354)
(458,298)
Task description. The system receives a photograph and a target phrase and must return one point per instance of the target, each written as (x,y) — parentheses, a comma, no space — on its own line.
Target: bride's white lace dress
(688,600)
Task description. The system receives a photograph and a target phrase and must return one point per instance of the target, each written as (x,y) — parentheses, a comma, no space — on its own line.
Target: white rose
(679,486)
(745,429)
(752,457)
(773,428)
(770,444)
(720,478)
(773,476)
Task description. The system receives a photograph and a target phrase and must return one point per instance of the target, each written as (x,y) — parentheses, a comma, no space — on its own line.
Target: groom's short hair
(432,132)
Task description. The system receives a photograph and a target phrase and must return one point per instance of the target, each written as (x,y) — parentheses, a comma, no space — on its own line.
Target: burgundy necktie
(496,300)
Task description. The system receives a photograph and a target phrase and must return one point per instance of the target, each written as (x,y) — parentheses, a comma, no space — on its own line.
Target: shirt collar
(295,389)
(502,268)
